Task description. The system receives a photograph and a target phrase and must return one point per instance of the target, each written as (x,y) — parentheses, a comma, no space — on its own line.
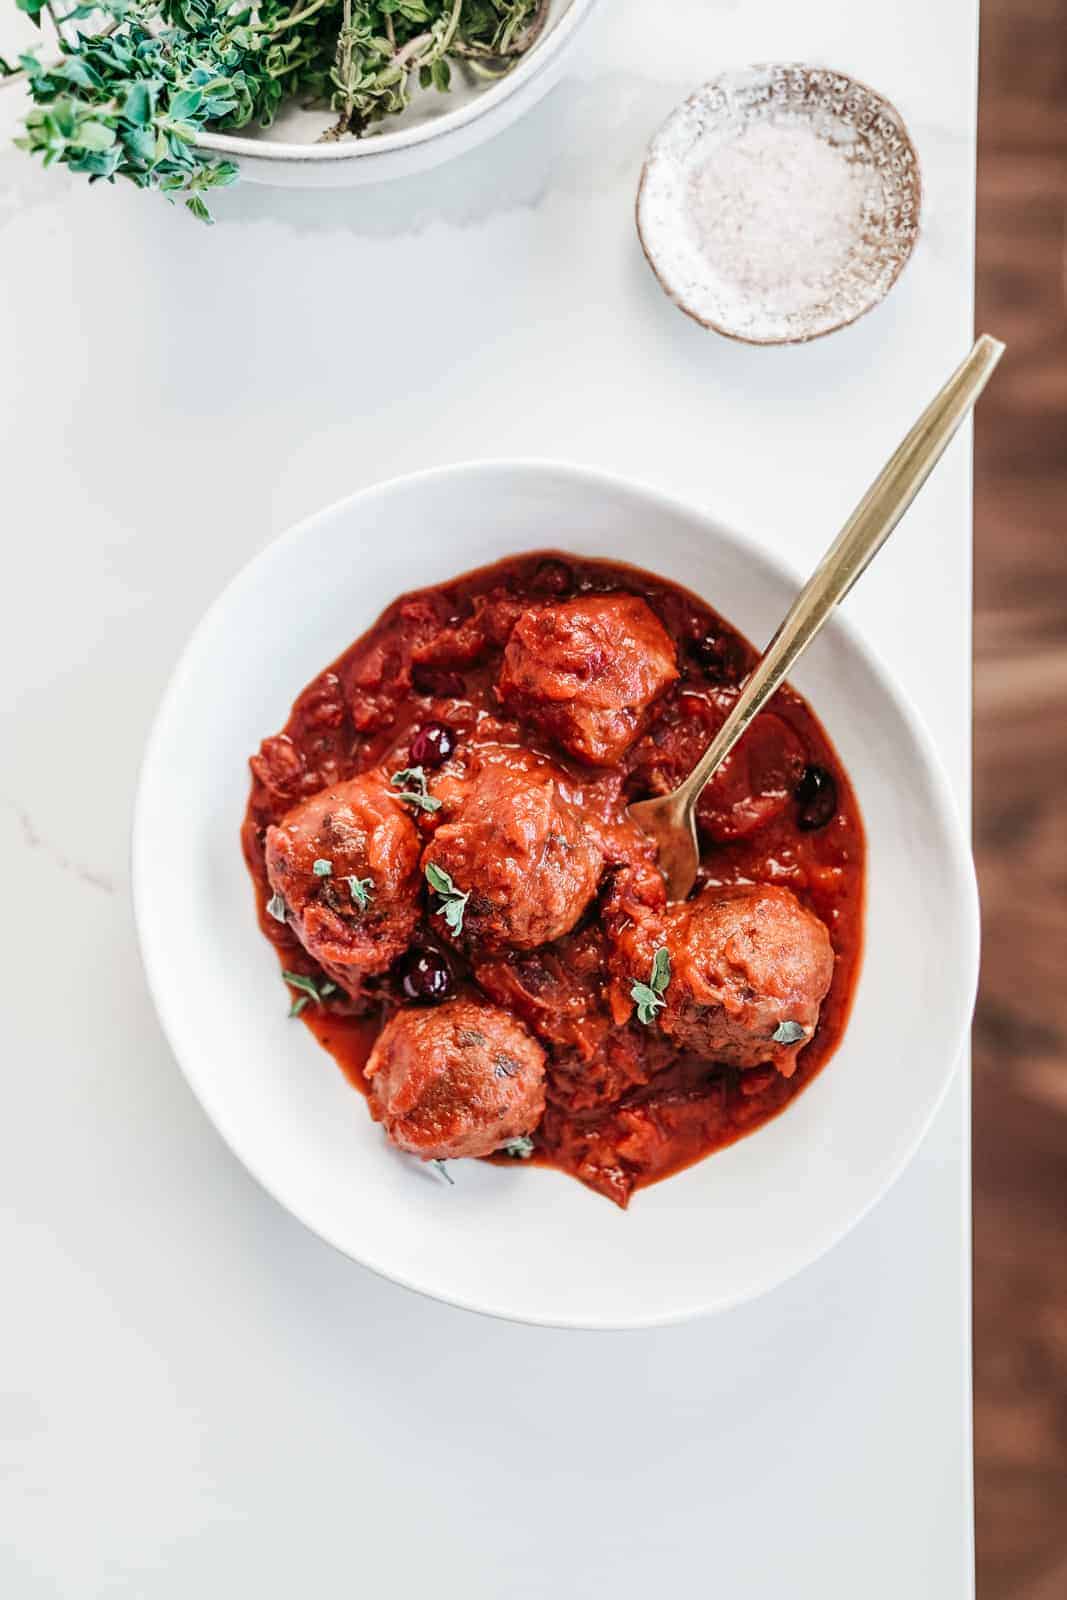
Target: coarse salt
(773,209)
(778,212)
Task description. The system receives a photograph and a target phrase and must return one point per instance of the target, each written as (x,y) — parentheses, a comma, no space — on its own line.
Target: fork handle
(852,552)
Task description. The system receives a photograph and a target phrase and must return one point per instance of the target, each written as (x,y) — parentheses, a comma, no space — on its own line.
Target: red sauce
(660,1110)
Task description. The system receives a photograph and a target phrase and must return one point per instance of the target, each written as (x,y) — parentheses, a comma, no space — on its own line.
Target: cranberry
(720,655)
(441,685)
(552,577)
(816,798)
(432,745)
(425,975)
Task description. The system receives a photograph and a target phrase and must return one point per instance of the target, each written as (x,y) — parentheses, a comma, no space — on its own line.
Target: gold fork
(671,819)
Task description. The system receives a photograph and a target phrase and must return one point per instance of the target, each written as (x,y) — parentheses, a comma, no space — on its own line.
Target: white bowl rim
(962,864)
(543,52)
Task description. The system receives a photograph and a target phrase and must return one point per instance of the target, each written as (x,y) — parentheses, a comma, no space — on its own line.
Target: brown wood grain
(1020,1118)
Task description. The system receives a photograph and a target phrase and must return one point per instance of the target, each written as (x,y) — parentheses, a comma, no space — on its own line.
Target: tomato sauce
(624,1108)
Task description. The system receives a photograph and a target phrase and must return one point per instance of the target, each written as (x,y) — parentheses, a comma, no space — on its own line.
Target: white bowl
(434,127)
(531,1243)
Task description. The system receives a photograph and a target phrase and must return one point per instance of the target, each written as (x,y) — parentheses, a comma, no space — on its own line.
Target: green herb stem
(61,37)
(274,29)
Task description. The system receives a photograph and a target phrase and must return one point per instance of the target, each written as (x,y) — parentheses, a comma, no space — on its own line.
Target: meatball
(462,1079)
(346,864)
(586,671)
(522,853)
(750,968)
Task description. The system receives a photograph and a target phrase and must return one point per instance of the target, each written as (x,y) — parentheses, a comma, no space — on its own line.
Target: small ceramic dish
(531,1243)
(433,129)
(780,203)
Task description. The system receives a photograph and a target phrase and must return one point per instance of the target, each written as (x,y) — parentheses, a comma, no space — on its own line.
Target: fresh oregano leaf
(453,900)
(648,997)
(361,890)
(316,989)
(788,1033)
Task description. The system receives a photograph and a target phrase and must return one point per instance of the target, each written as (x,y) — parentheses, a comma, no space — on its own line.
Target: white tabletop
(199,1398)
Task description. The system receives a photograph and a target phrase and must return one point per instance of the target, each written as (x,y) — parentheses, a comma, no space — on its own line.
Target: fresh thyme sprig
(132,89)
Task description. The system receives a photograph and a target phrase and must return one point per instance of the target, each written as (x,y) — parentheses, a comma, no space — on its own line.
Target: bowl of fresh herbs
(184,96)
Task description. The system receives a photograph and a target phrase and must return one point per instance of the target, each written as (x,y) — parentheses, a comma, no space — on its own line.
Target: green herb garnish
(443,1170)
(316,989)
(453,900)
(522,1149)
(788,1033)
(361,890)
(649,996)
(129,94)
(276,907)
(322,868)
(412,783)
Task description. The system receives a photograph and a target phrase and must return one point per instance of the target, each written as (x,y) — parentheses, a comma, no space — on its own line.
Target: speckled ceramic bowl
(780,203)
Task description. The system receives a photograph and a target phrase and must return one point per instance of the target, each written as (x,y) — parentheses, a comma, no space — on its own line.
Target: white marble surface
(197,1396)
